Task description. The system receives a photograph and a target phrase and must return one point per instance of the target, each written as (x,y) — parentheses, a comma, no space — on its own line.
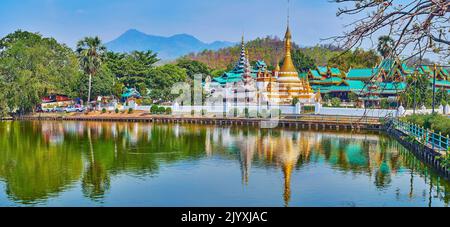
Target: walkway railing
(434,140)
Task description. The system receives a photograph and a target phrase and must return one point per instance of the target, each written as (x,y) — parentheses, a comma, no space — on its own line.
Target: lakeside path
(301,121)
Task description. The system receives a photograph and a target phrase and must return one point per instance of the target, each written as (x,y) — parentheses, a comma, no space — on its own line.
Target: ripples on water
(138,164)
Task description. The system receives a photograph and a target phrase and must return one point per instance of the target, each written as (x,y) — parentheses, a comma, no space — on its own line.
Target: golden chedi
(289,84)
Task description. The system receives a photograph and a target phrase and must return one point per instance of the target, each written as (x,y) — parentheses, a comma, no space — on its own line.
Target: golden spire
(277,67)
(288,64)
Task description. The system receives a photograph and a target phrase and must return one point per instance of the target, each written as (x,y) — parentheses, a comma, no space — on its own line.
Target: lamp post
(434,82)
(434,86)
(414,97)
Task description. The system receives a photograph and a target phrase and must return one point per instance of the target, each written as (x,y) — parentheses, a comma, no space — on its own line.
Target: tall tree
(91,53)
(162,79)
(193,67)
(31,67)
(132,69)
(385,45)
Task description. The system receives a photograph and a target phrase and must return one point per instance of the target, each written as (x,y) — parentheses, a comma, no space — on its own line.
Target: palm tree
(90,52)
(385,45)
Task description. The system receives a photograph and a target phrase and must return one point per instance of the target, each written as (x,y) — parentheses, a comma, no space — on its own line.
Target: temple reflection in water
(39,160)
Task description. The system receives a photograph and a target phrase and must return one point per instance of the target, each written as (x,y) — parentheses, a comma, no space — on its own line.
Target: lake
(51,163)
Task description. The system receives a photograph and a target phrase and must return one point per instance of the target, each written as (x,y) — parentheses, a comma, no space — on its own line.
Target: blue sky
(208,20)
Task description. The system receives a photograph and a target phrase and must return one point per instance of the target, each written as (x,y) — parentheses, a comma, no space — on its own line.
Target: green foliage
(130,111)
(161,80)
(116,110)
(444,160)
(161,110)
(132,69)
(234,112)
(271,50)
(90,52)
(103,110)
(309,109)
(335,102)
(193,67)
(31,67)
(385,45)
(101,84)
(246,112)
(295,101)
(436,122)
(352,97)
(154,109)
(358,58)
(384,104)
(147,102)
(420,88)
(168,111)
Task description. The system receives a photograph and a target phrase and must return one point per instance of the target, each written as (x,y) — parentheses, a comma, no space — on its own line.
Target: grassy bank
(436,122)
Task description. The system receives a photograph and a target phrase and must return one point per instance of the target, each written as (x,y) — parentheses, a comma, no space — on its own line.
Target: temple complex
(280,86)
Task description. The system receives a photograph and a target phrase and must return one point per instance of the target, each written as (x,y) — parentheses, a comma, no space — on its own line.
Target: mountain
(167,47)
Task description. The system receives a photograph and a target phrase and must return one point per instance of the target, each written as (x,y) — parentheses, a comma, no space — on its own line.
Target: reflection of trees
(35,167)
(32,168)
(95,180)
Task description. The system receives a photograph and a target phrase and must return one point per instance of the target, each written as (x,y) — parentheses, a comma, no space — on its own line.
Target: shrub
(335,102)
(161,110)
(246,112)
(146,102)
(168,111)
(295,101)
(116,110)
(204,112)
(154,109)
(103,110)
(384,104)
(234,112)
(309,109)
(130,111)
(192,112)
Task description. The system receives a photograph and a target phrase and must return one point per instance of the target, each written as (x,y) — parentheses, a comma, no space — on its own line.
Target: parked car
(73,109)
(58,109)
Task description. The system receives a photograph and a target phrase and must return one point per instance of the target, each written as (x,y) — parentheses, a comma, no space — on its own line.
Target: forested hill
(270,49)
(267,49)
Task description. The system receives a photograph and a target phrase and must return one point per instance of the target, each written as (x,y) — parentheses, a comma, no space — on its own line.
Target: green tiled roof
(345,86)
(355,84)
(331,80)
(395,86)
(322,70)
(303,75)
(335,71)
(316,75)
(362,73)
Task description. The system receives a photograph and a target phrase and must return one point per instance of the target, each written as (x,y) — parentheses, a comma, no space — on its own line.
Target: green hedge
(436,122)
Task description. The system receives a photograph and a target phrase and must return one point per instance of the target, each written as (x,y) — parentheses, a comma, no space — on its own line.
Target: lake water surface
(141,164)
